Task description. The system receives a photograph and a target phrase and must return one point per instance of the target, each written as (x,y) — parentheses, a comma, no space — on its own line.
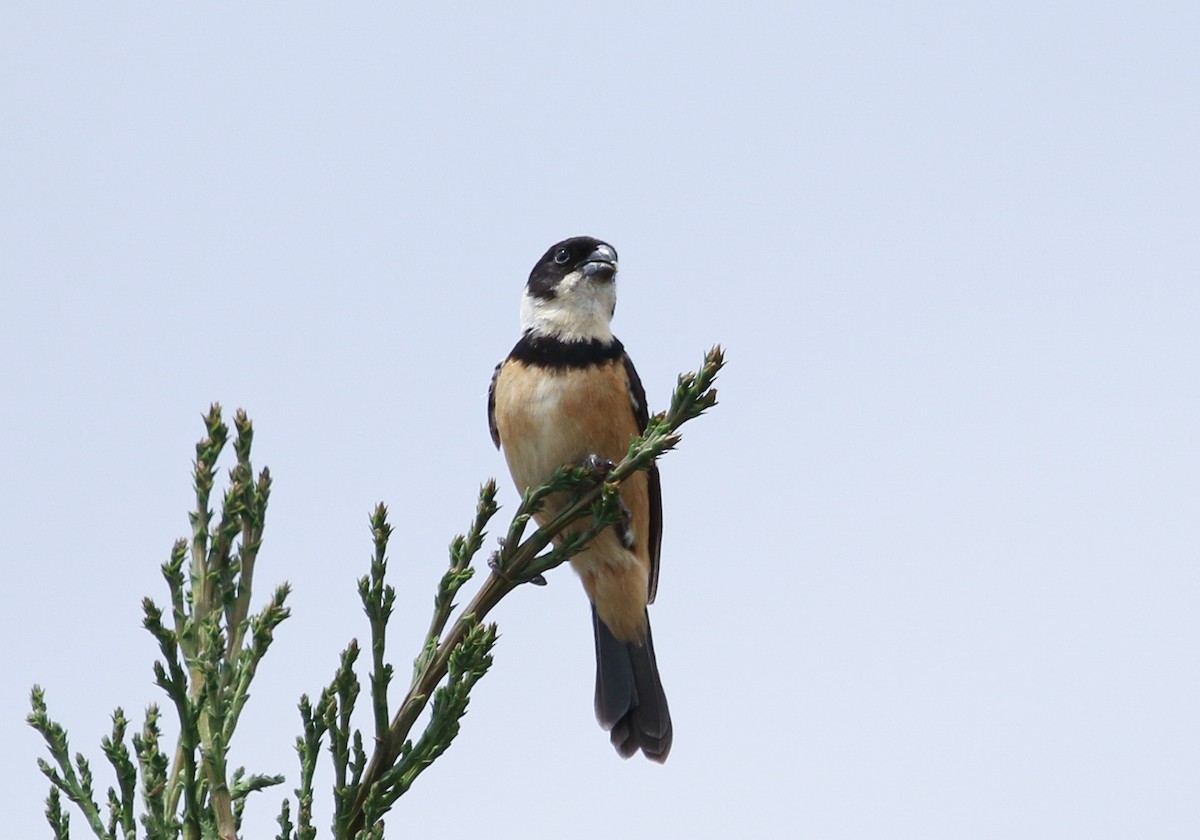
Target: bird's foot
(494,564)
(598,468)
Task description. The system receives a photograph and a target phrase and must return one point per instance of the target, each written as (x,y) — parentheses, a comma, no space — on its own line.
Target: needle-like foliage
(211,646)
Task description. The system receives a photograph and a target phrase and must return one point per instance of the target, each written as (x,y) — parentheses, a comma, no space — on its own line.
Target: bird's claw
(598,467)
(494,564)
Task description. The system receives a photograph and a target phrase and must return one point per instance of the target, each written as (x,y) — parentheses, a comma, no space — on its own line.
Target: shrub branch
(211,645)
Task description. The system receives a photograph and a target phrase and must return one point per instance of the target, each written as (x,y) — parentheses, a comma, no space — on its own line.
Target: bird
(568,393)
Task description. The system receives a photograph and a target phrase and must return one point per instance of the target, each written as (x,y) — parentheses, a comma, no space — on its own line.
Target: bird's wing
(492,407)
(641,414)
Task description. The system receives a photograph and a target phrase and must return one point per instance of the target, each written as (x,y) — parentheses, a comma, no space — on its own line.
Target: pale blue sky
(932,568)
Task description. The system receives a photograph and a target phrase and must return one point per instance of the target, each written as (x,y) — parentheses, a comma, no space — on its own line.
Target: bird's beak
(601,263)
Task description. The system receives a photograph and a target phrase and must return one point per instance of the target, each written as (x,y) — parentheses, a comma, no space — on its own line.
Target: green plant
(211,646)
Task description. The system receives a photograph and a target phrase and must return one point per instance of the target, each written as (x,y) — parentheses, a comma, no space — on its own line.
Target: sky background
(930,570)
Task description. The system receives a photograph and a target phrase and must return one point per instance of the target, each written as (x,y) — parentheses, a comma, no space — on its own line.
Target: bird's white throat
(580,310)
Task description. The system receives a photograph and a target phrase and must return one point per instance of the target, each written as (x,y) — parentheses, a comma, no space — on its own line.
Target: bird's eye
(561,256)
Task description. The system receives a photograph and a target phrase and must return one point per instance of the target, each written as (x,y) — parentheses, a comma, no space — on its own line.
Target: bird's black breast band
(546,351)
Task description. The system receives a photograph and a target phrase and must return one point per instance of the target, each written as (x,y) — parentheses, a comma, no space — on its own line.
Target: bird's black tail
(630,702)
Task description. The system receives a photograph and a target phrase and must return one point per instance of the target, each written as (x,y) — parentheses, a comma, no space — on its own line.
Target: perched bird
(566,393)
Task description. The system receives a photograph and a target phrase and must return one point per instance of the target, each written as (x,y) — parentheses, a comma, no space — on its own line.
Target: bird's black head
(594,259)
